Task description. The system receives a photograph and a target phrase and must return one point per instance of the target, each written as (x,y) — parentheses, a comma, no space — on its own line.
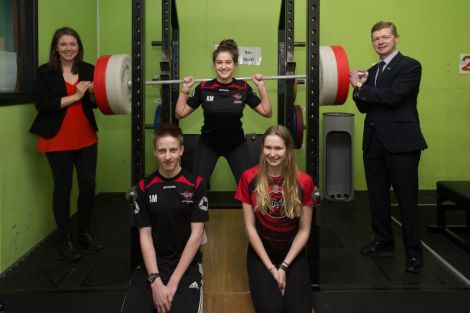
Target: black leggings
(205,159)
(62,163)
(187,299)
(265,293)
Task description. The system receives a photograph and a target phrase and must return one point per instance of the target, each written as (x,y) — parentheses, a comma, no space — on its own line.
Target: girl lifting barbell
(223,100)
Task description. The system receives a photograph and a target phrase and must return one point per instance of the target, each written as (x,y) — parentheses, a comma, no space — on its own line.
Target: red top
(276,230)
(75,132)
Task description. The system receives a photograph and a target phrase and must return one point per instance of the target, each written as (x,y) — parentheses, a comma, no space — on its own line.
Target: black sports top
(223,106)
(169,206)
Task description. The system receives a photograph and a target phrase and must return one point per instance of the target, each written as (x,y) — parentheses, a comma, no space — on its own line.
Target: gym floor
(349,282)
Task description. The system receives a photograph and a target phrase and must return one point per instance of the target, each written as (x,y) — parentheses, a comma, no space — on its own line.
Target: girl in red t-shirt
(277,209)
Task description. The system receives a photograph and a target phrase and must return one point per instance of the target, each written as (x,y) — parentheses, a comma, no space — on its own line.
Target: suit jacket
(391,105)
(49,89)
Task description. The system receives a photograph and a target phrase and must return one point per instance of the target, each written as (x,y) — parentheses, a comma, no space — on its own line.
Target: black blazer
(391,105)
(49,89)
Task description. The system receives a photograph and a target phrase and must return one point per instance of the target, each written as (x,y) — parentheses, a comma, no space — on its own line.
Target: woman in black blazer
(68,134)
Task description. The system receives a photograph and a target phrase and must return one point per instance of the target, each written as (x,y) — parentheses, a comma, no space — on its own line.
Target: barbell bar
(112,80)
(198,80)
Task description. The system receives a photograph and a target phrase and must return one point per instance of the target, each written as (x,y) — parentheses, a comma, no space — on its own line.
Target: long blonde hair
(290,186)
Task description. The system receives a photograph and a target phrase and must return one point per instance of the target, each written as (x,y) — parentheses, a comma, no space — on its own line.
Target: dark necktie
(380,70)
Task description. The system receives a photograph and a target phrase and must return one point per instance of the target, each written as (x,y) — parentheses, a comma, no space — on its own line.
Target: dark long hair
(54,57)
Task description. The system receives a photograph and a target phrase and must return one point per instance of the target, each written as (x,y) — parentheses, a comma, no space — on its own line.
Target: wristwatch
(358,86)
(152,276)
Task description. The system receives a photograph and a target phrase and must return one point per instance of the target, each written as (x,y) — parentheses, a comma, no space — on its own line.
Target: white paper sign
(464,63)
(249,55)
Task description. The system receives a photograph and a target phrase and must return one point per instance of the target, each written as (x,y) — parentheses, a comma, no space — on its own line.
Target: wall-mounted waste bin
(338,138)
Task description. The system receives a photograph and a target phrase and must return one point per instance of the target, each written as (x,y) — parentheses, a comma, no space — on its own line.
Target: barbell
(198,80)
(113,80)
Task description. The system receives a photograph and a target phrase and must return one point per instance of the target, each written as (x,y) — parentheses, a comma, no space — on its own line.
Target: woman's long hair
(54,57)
(290,186)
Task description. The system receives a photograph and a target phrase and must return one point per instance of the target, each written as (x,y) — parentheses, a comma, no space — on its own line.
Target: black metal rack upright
(138,112)
(286,64)
(313,123)
(169,66)
(138,92)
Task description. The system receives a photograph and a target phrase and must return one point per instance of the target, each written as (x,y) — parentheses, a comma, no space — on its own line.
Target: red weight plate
(118,74)
(343,74)
(299,126)
(99,84)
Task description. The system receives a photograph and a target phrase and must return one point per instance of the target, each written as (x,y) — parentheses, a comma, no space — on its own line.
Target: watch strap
(152,276)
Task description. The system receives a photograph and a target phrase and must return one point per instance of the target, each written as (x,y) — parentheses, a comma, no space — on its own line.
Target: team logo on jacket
(238,98)
(187,196)
(210,98)
(203,204)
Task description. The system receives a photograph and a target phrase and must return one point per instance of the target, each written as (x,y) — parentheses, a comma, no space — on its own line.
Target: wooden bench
(453,195)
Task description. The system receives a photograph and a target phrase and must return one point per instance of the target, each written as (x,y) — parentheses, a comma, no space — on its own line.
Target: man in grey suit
(392,142)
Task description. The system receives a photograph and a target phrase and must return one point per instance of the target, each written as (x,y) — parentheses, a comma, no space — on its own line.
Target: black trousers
(187,299)
(400,171)
(62,164)
(265,293)
(205,159)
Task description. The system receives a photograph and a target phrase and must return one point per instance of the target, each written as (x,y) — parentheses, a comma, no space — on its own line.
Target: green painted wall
(430,32)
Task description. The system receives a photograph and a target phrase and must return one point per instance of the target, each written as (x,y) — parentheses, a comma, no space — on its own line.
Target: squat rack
(170,67)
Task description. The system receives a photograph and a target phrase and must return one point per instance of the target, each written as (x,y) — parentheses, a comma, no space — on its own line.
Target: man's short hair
(167,129)
(381,25)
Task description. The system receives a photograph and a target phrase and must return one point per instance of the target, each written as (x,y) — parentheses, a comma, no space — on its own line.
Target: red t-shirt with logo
(275,229)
